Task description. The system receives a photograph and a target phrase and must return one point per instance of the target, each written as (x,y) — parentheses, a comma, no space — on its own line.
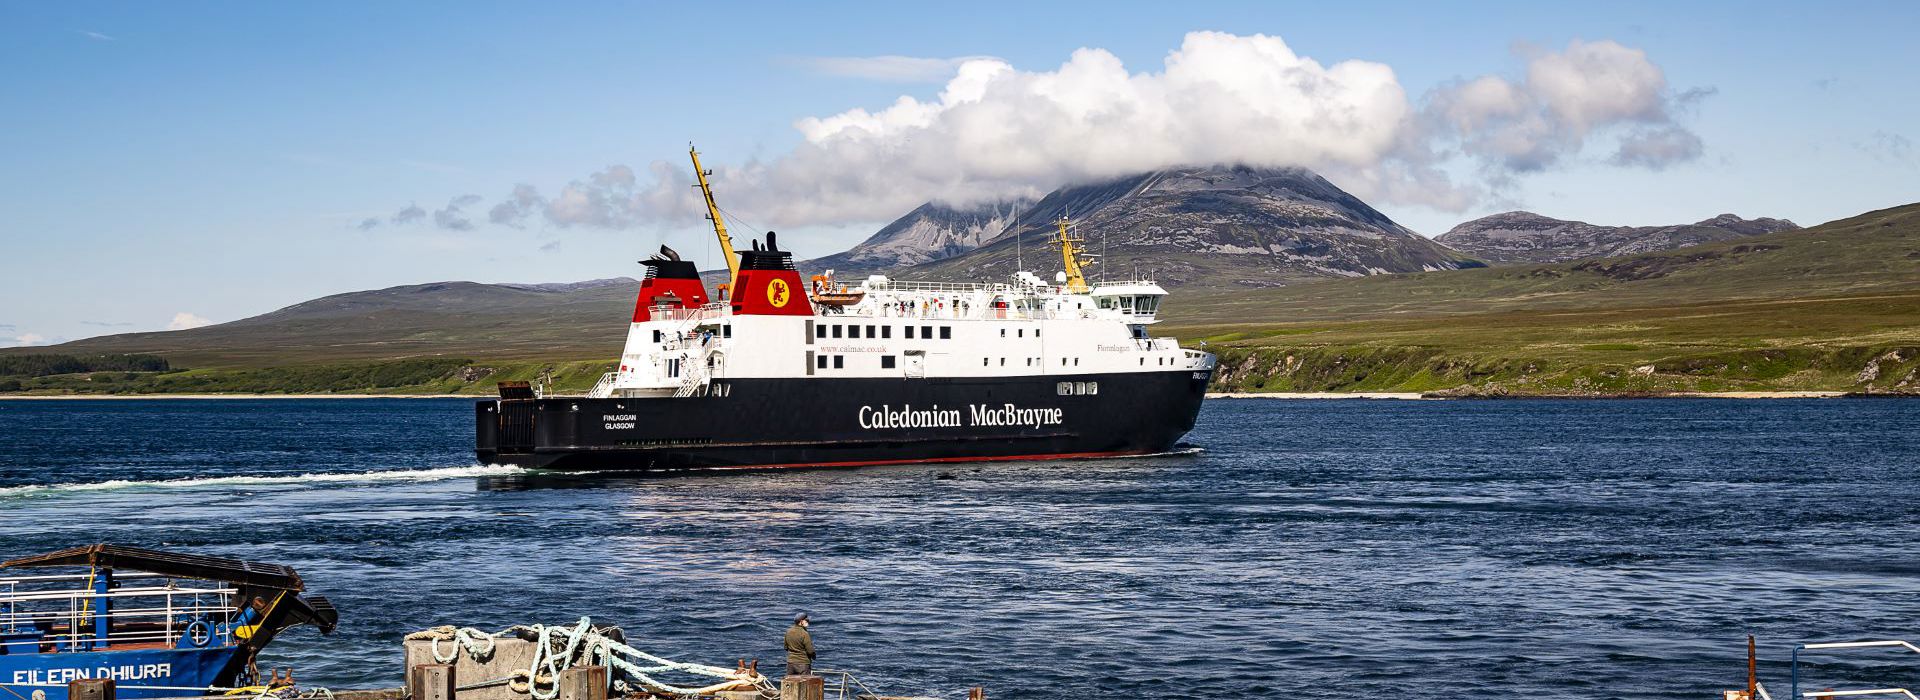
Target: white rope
(581,642)
(467,637)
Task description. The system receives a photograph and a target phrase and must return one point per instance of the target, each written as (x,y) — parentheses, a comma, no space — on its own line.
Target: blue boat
(159,624)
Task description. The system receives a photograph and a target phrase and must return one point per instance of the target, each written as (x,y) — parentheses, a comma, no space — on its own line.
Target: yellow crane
(719,224)
(1069,243)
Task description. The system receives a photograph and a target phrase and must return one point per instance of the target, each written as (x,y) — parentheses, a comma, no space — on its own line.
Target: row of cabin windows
(840,361)
(1162,361)
(1020,332)
(1077,388)
(1031,361)
(836,330)
(1143,304)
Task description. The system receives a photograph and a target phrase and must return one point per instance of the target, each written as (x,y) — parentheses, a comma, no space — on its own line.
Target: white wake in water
(391,476)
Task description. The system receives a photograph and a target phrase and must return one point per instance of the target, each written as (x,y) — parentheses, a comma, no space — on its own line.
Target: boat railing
(950,287)
(694,376)
(1828,646)
(167,612)
(687,313)
(843,685)
(603,388)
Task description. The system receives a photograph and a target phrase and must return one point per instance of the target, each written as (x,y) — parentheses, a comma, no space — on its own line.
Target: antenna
(1019,260)
(1103,256)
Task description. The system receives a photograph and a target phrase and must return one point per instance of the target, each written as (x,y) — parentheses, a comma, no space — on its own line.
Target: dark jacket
(799,644)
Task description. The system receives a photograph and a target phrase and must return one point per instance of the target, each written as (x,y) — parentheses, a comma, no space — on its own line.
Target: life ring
(198,635)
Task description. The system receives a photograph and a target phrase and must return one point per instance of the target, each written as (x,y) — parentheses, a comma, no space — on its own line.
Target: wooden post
(584,683)
(430,682)
(803,688)
(90,689)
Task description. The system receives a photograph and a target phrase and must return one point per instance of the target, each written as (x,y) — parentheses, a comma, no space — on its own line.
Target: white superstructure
(904,329)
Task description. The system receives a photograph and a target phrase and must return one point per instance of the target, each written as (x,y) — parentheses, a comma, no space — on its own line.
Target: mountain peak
(930,232)
(1518,237)
(1751,227)
(1516,218)
(1224,224)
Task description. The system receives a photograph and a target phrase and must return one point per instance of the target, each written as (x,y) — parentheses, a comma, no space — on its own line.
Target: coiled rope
(558,648)
(478,644)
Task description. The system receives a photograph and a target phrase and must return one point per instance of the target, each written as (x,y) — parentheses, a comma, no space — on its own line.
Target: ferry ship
(158,624)
(770,370)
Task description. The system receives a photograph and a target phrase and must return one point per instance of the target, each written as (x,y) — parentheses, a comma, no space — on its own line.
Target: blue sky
(169,163)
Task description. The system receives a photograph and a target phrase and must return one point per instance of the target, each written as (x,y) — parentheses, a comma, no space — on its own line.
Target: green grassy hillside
(494,323)
(1874,253)
(1835,307)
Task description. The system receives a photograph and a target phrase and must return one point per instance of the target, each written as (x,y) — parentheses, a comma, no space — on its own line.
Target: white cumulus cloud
(184,320)
(900,69)
(1534,122)
(995,132)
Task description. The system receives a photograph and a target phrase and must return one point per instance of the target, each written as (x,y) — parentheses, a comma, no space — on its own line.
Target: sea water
(1579,549)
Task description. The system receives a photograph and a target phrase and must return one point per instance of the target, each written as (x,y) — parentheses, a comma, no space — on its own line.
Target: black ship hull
(767,423)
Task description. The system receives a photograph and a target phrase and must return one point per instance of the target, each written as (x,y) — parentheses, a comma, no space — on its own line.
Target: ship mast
(719,224)
(1070,257)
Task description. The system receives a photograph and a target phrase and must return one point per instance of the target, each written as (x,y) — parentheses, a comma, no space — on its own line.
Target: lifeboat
(826,293)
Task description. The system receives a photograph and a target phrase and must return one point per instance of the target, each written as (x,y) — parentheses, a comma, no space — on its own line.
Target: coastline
(1284,395)
(1415,396)
(109,397)
(1385,395)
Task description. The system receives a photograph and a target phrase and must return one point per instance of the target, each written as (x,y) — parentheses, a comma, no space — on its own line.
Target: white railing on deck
(1850,693)
(22,611)
(681,313)
(692,380)
(963,287)
(603,388)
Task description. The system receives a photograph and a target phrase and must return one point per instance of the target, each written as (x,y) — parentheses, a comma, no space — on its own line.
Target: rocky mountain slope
(1520,237)
(934,231)
(1218,226)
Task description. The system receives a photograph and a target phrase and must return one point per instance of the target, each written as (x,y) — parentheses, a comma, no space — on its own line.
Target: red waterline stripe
(937,460)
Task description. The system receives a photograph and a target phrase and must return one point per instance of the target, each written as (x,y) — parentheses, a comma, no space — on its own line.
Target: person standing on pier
(799,647)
